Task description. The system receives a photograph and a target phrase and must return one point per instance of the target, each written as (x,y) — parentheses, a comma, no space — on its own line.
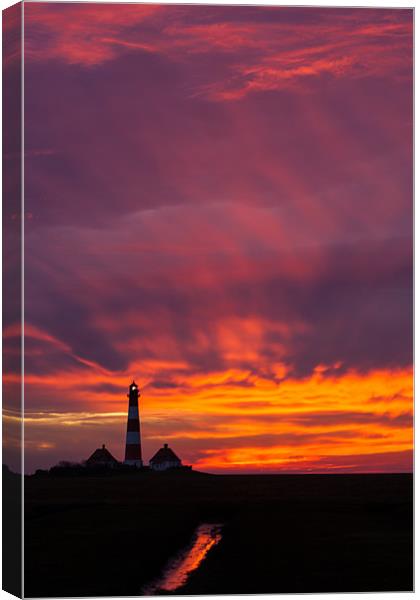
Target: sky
(218,204)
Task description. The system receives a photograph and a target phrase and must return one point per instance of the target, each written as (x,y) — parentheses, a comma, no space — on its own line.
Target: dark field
(109,535)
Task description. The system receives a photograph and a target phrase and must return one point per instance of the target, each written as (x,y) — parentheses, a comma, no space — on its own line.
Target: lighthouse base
(134,463)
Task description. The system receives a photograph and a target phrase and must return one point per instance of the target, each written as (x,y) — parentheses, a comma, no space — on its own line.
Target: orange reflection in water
(188,560)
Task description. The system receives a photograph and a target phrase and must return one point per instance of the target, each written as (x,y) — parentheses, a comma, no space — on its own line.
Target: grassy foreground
(108,535)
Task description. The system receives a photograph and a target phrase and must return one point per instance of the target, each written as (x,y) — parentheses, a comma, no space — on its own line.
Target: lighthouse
(133,440)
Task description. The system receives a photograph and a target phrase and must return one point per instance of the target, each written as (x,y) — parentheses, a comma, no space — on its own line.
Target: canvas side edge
(12,315)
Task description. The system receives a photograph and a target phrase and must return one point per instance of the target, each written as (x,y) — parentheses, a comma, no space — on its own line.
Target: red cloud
(84,34)
(254,55)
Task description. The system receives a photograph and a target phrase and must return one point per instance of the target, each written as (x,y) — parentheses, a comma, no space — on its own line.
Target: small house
(102,458)
(164,459)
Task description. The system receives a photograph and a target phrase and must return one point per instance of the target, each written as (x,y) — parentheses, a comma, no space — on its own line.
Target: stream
(179,568)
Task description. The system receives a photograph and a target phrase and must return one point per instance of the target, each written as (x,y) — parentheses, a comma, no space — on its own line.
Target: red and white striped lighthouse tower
(133,440)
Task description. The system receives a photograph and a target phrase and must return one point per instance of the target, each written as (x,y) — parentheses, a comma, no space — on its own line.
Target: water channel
(178,569)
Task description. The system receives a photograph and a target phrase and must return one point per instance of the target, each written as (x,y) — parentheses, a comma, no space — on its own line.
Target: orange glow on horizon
(235,419)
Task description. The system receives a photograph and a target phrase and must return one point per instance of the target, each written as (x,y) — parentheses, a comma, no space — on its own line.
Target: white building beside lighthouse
(165,459)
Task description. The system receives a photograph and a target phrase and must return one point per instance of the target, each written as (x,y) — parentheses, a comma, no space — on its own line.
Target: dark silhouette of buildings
(102,458)
(164,459)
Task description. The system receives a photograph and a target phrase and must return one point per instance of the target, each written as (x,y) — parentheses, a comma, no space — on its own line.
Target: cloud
(12,47)
(254,301)
(80,34)
(257,54)
(350,49)
(387,462)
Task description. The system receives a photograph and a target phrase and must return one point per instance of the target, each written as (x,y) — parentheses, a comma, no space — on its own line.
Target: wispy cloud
(255,54)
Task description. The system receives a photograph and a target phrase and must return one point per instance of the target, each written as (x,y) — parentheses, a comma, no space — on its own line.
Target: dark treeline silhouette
(73,469)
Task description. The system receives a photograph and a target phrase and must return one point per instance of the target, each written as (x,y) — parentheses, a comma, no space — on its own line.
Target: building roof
(165,454)
(102,455)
